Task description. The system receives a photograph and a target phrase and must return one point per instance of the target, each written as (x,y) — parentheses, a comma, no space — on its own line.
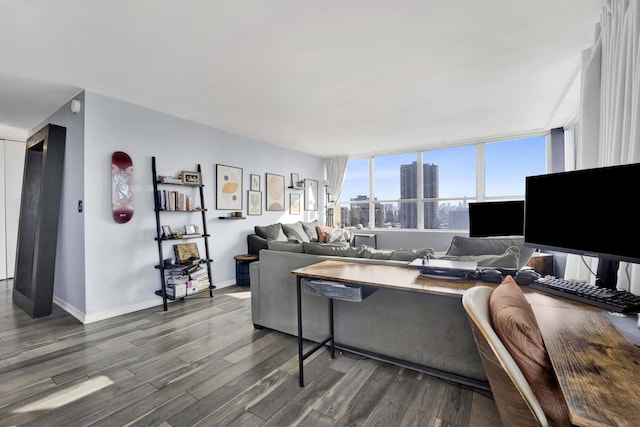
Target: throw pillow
(295,231)
(462,246)
(273,231)
(336,235)
(275,245)
(507,260)
(322,230)
(311,229)
(515,324)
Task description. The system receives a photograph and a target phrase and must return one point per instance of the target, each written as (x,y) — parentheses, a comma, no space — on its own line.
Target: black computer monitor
(586,212)
(500,218)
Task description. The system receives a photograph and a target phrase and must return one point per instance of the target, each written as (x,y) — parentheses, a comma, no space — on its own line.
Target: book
(186,252)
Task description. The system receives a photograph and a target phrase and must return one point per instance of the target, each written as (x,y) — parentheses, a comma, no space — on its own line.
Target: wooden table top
(385,276)
(598,368)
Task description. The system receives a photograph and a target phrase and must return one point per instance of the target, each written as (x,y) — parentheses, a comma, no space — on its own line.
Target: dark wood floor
(203,363)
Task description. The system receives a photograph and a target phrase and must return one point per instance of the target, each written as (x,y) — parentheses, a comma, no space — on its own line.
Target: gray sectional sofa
(426,332)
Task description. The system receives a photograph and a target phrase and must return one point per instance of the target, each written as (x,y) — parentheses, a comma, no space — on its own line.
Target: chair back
(517,405)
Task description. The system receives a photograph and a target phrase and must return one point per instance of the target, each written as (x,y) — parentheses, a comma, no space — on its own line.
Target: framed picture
(190,229)
(166,232)
(310,195)
(228,188)
(254,202)
(255,182)
(191,178)
(186,252)
(275,192)
(295,180)
(294,204)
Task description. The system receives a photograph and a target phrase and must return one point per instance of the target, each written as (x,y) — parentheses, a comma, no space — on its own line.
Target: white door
(13,161)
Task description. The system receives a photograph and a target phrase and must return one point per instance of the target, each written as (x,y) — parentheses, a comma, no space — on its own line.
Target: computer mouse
(526,276)
(490,275)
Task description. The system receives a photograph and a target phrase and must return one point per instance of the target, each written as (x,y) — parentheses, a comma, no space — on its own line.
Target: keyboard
(609,299)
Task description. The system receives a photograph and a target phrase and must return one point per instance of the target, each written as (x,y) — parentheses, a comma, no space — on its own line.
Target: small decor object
(191,178)
(311,195)
(228,187)
(186,253)
(166,232)
(275,192)
(255,182)
(295,180)
(121,187)
(294,204)
(254,203)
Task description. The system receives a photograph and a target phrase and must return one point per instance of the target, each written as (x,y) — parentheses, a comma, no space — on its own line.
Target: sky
(507,164)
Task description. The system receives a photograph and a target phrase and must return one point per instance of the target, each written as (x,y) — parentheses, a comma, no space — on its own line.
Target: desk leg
(300,357)
(333,340)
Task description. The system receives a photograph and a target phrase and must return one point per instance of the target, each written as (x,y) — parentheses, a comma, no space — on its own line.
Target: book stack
(177,284)
(174,201)
(198,280)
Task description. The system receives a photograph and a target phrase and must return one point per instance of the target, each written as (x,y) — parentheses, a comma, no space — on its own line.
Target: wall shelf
(232,217)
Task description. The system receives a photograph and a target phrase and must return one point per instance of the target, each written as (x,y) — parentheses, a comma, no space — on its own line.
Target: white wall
(119,258)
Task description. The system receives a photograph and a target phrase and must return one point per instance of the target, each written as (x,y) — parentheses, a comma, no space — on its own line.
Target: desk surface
(598,369)
(385,276)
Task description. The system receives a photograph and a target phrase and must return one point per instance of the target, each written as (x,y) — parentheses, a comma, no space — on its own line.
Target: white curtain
(609,132)
(335,170)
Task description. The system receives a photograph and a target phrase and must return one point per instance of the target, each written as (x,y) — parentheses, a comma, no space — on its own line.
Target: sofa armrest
(255,243)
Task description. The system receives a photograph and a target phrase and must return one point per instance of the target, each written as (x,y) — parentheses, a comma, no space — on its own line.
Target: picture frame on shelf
(166,232)
(191,178)
(275,192)
(294,204)
(190,229)
(185,253)
(255,182)
(254,202)
(228,187)
(310,195)
(295,180)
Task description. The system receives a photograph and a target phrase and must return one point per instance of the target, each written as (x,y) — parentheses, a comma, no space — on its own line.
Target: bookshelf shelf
(179,281)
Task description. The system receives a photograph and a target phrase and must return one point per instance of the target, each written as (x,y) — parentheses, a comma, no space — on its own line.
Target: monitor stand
(607,276)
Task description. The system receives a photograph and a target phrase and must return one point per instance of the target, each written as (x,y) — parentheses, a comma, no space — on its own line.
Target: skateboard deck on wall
(121,187)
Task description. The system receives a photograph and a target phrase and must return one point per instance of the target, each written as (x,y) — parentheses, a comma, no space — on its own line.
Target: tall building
(408,215)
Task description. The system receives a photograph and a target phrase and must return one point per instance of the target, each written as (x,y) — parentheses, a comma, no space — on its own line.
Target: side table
(242,268)
(373,236)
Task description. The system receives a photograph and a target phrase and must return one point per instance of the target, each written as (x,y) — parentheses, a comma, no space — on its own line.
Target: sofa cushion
(275,245)
(515,324)
(322,230)
(373,253)
(273,231)
(338,249)
(311,229)
(462,246)
(295,231)
(510,259)
(410,254)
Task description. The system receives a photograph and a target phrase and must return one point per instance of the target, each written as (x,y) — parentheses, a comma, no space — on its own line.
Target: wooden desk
(598,368)
(375,275)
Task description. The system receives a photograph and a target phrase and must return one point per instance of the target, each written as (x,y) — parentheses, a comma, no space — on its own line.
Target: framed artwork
(310,195)
(294,204)
(190,229)
(228,187)
(275,192)
(186,252)
(254,202)
(166,232)
(255,182)
(191,178)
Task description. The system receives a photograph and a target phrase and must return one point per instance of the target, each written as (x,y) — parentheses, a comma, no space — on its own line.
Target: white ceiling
(330,77)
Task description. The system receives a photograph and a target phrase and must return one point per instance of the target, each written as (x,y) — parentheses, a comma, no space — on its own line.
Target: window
(393,192)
